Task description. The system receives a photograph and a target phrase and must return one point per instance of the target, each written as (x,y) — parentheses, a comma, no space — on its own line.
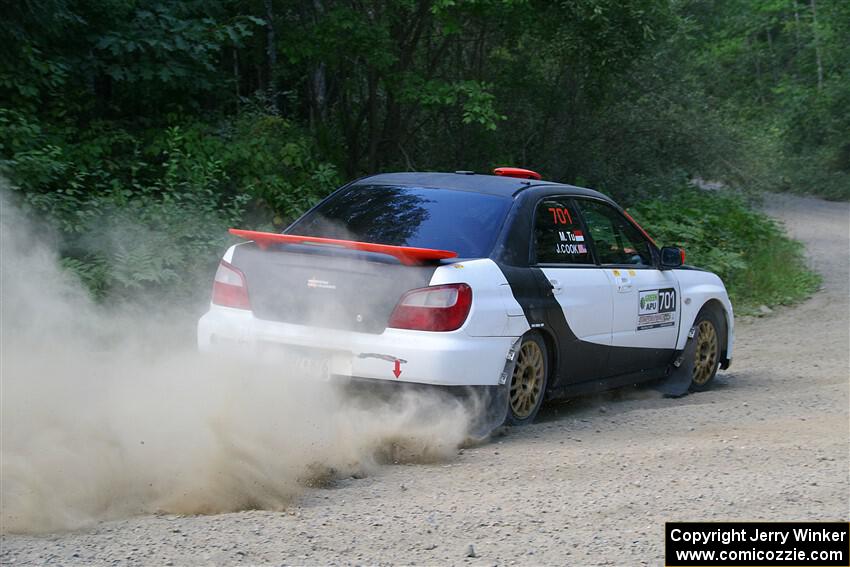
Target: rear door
(582,290)
(645,299)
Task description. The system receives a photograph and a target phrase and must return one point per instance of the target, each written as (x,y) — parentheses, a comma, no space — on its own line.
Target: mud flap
(682,369)
(493,408)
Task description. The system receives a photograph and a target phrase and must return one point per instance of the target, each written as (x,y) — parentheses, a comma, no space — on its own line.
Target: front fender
(698,288)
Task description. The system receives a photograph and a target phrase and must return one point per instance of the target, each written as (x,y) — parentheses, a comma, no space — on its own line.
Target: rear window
(464,222)
(558,237)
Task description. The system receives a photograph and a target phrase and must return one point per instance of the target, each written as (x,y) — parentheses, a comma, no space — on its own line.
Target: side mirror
(672,257)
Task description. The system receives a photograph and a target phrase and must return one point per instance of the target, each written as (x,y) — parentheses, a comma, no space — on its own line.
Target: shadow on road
(626,399)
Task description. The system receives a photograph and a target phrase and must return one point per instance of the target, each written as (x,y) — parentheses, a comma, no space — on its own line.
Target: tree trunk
(773,64)
(372,119)
(817,43)
(757,58)
(271,55)
(797,26)
(236,76)
(319,79)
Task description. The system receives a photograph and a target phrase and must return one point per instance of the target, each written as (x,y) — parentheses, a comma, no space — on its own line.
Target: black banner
(757,544)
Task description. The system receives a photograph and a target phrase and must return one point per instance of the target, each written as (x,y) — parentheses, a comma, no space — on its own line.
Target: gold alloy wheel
(706,354)
(527,381)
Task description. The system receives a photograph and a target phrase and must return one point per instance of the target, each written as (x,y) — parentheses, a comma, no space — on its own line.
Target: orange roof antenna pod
(517,172)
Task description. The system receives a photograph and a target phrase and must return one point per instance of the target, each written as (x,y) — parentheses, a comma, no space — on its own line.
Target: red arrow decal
(397,369)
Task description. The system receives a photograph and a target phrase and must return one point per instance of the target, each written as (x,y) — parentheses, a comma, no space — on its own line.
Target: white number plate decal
(656,308)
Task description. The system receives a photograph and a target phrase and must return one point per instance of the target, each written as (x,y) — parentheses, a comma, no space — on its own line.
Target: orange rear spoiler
(407,255)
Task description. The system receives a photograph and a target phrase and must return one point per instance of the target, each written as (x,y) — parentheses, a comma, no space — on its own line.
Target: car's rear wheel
(528,383)
(707,353)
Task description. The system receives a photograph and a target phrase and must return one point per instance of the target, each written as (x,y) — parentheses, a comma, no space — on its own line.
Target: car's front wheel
(707,352)
(528,383)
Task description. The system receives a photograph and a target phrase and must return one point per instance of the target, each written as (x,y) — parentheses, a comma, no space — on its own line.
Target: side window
(616,240)
(558,237)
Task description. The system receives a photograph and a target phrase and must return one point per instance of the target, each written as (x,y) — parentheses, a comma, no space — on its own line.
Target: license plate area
(309,362)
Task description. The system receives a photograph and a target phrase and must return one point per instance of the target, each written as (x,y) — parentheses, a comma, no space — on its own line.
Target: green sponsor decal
(648,299)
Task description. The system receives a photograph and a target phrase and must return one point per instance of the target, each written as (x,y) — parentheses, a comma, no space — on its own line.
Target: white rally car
(504,282)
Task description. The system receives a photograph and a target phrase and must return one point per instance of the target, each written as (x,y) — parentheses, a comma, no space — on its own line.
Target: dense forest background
(141,130)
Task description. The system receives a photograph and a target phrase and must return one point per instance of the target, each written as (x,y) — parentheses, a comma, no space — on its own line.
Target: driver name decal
(570,249)
(571,243)
(656,308)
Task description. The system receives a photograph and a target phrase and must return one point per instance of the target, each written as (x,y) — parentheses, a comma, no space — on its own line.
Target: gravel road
(591,483)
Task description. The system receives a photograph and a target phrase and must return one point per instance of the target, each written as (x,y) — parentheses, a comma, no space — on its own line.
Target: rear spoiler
(407,255)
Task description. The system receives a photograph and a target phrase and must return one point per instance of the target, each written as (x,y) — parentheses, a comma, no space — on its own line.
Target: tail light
(437,308)
(230,288)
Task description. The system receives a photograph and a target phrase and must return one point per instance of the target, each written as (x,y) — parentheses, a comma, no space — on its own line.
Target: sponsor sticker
(656,308)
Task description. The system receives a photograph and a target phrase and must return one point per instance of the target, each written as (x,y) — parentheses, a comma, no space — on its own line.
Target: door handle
(556,286)
(625,288)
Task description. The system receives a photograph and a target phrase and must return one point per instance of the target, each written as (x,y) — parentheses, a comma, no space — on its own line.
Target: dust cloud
(108,413)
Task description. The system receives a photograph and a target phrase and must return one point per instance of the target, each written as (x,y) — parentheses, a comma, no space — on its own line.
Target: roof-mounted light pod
(517,172)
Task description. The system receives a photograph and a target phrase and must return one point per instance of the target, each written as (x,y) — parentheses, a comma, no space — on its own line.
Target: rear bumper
(446,359)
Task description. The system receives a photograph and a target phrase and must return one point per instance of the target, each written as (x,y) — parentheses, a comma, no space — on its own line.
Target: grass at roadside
(723,233)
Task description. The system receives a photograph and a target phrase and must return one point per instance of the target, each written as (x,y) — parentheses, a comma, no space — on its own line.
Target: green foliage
(165,45)
(722,233)
(121,235)
(782,67)
(149,212)
(271,160)
(476,102)
(166,122)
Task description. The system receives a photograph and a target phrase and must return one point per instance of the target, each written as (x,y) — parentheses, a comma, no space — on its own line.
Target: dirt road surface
(591,484)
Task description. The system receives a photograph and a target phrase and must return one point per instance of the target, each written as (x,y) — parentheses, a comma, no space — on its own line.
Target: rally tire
(527,387)
(707,351)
